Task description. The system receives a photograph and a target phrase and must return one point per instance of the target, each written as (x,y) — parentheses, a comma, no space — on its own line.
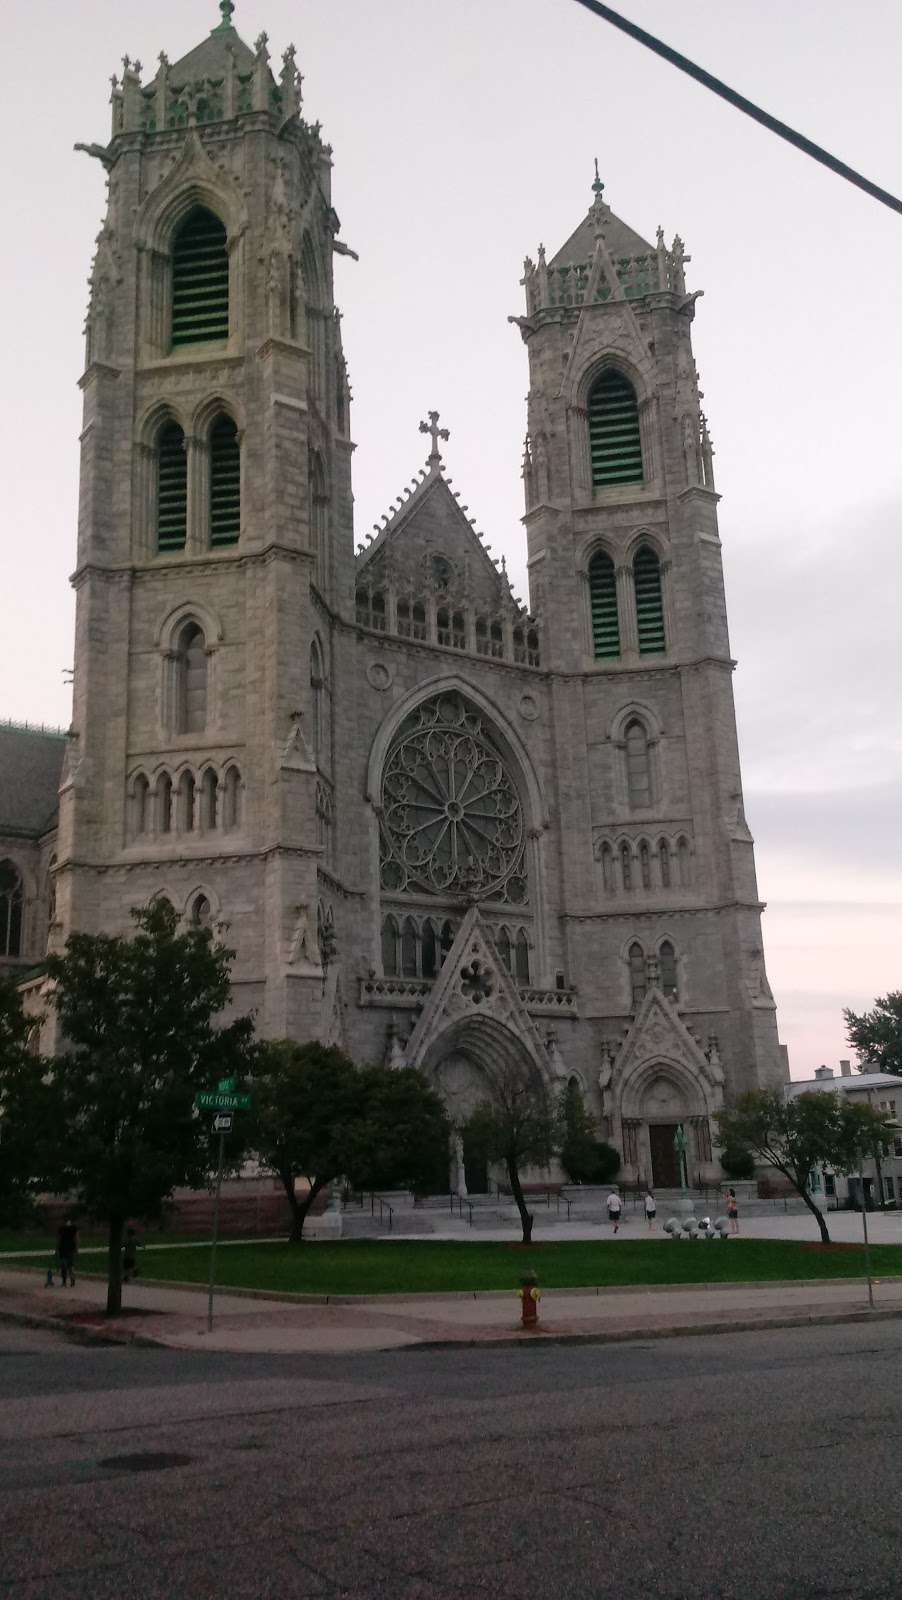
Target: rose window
(452,821)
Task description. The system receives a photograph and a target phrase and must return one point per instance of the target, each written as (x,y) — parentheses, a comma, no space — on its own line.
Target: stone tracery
(452,819)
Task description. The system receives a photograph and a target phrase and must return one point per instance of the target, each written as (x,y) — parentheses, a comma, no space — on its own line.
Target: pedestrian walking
(67,1250)
(651,1209)
(130,1255)
(615,1206)
(733,1210)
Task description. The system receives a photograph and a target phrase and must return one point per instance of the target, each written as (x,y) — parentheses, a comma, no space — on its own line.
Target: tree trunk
(299,1208)
(525,1216)
(816,1212)
(114,1267)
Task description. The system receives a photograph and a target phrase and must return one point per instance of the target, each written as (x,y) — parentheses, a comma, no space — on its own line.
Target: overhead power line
(739,101)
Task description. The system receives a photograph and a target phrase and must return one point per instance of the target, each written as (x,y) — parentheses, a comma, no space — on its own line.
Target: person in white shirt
(651,1209)
(615,1207)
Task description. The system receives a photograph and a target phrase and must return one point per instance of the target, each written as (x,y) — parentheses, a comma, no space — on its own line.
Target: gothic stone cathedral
(439,828)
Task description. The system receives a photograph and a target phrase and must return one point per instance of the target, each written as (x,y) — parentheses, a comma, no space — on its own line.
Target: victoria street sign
(224,1099)
(213,1100)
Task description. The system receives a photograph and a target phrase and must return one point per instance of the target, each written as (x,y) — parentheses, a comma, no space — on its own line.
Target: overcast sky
(464,134)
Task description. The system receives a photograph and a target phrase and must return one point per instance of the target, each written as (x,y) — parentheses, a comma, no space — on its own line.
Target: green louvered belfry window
(615,446)
(200,281)
(225,482)
(603,601)
(172,488)
(649,602)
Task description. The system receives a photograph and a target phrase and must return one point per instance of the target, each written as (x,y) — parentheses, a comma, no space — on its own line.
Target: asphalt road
(746,1466)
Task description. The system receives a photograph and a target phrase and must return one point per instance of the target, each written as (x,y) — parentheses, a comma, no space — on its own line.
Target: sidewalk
(246,1323)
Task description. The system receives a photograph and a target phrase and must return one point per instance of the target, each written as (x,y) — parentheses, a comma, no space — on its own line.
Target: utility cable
(739,101)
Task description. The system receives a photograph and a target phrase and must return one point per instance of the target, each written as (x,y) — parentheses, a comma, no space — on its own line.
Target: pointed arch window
(231,799)
(409,943)
(649,602)
(626,867)
(603,603)
(318,504)
(607,868)
(186,794)
(164,803)
(225,482)
(429,951)
(200,280)
(664,863)
(11,905)
(140,798)
(445,941)
(638,764)
(201,913)
(645,864)
(389,947)
(521,958)
(191,680)
(667,967)
(316,696)
(615,443)
(638,974)
(503,946)
(172,488)
(209,800)
(684,865)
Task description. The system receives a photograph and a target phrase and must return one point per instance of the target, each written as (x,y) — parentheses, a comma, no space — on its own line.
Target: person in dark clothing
(129,1255)
(67,1250)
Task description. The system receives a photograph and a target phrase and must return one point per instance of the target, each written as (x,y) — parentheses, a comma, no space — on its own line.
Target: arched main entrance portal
(472,1061)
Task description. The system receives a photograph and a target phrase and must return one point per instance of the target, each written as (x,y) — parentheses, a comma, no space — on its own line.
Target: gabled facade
(440,827)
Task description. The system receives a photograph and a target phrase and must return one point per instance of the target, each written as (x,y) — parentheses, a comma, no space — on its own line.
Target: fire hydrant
(530,1295)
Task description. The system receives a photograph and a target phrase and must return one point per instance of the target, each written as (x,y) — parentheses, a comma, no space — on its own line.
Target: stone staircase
(400,1215)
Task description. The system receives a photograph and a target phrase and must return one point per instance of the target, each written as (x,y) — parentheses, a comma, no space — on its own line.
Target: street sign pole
(864,1224)
(215,1239)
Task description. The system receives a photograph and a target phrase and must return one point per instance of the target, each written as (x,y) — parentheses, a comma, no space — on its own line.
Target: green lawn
(380,1267)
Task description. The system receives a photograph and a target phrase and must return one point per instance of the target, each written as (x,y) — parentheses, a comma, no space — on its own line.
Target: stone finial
(435,432)
(597,185)
(226,12)
(290,82)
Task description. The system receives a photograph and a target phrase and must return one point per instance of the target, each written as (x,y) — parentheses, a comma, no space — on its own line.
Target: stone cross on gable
(431,427)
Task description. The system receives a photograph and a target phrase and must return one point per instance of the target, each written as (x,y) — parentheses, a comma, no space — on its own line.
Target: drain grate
(145,1461)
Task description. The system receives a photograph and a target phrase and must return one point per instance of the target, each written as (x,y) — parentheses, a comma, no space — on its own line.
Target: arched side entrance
(658,1097)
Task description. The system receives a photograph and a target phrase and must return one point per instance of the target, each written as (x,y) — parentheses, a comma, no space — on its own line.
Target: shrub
(737,1162)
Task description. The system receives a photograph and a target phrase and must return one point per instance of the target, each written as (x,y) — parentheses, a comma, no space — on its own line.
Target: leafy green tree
(400,1139)
(810,1130)
(318,1117)
(584,1157)
(305,1097)
(138,1017)
(518,1125)
(28,1123)
(876,1035)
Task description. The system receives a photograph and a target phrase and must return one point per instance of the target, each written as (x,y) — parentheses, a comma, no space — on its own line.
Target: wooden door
(664,1166)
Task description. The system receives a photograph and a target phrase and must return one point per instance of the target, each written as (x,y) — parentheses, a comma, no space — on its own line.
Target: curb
(642,1335)
(79,1332)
